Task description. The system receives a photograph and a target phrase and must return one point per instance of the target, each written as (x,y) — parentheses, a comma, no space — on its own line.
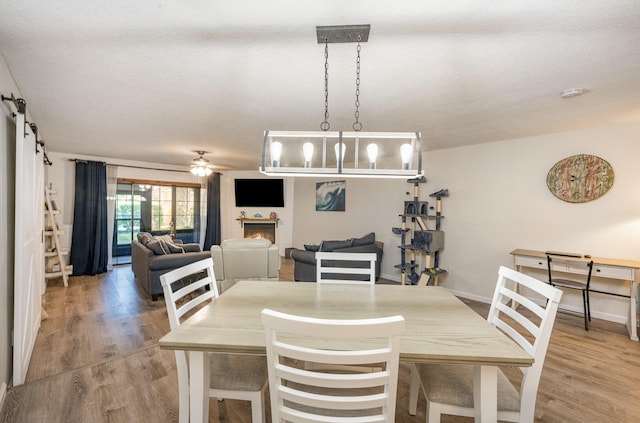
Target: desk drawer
(534,262)
(612,272)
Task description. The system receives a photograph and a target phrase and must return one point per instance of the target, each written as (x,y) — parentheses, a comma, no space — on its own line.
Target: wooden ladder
(54,253)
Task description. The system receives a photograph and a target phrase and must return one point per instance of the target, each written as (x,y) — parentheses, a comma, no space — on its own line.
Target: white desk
(625,270)
(439,328)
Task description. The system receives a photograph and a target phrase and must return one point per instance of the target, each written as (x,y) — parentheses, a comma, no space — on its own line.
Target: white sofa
(242,259)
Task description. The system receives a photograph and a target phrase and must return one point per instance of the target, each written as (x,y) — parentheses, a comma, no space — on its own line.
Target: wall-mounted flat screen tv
(259,192)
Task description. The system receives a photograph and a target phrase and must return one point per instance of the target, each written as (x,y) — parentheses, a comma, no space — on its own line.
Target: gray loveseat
(147,265)
(304,269)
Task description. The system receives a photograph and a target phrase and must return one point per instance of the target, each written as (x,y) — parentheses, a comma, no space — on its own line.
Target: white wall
(498,202)
(372,205)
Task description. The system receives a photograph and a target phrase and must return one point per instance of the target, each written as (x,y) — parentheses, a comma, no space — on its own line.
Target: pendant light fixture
(201,166)
(357,154)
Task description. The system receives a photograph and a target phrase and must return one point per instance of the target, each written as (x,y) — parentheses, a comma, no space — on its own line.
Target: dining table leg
(199,382)
(485,393)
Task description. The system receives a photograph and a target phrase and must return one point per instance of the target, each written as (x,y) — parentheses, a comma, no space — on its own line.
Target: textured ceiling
(154,80)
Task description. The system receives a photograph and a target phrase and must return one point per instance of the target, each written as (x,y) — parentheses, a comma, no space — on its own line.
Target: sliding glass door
(128,218)
(158,209)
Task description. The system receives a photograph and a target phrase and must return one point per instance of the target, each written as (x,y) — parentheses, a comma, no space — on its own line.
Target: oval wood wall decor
(580,178)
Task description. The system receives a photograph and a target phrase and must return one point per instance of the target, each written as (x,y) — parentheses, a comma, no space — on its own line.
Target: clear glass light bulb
(276,152)
(372,152)
(406,151)
(307,150)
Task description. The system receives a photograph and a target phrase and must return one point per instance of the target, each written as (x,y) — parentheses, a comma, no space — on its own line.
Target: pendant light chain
(325,124)
(357,126)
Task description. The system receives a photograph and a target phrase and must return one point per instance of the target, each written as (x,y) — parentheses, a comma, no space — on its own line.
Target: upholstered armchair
(242,259)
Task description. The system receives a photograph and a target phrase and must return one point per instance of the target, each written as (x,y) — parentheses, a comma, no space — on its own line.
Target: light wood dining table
(439,329)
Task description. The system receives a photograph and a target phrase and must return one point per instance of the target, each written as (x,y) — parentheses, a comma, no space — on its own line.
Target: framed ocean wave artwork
(330,196)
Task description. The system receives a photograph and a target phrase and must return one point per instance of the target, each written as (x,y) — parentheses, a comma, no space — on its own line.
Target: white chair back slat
(518,298)
(523,321)
(332,357)
(357,380)
(331,264)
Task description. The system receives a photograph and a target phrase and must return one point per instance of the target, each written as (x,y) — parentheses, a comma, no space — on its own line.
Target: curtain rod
(133,167)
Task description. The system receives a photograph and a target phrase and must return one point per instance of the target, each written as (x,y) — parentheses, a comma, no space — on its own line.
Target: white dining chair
(356,268)
(233,376)
(299,395)
(449,388)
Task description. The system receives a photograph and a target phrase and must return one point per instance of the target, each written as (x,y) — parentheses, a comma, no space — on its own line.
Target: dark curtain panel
(89,239)
(212,234)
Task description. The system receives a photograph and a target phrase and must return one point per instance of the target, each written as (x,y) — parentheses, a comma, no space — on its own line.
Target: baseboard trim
(485,300)
(392,278)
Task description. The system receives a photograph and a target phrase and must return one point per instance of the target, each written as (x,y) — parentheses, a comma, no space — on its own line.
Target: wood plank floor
(97,359)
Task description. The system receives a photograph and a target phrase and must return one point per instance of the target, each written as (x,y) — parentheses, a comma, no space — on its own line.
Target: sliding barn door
(29,248)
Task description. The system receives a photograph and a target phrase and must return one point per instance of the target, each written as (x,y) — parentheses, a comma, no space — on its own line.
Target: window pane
(162,207)
(123,206)
(184,222)
(124,231)
(185,208)
(184,194)
(136,205)
(157,207)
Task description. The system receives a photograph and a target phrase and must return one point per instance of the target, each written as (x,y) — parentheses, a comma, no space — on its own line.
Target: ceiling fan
(201,166)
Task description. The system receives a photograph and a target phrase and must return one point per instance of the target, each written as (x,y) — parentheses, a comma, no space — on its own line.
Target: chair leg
(183,404)
(414,387)
(257,408)
(588,305)
(586,310)
(183,387)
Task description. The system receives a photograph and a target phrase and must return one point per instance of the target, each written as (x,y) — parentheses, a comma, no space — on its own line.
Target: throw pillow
(334,245)
(311,247)
(190,248)
(160,246)
(157,248)
(171,247)
(369,238)
(144,237)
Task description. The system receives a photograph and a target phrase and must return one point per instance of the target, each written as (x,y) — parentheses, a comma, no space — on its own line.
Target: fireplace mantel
(242,220)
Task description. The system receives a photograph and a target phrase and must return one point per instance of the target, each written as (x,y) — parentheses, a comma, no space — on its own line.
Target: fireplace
(263,230)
